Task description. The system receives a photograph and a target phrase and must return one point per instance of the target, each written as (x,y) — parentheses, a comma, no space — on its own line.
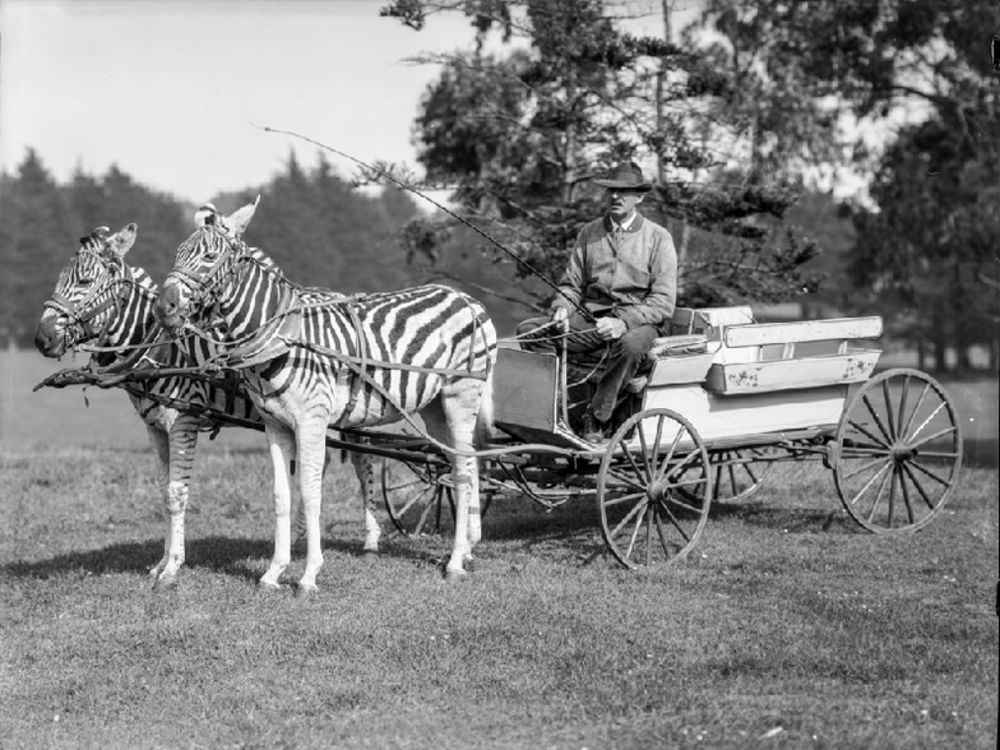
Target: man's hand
(560,316)
(610,329)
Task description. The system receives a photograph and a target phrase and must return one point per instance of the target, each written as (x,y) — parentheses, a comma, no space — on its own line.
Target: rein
(587,315)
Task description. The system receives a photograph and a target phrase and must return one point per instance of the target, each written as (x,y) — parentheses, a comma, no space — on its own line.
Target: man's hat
(626,176)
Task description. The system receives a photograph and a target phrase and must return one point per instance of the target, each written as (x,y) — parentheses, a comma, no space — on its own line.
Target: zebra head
(204,265)
(88,293)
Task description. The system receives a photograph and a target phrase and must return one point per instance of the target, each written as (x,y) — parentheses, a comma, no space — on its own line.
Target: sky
(172,91)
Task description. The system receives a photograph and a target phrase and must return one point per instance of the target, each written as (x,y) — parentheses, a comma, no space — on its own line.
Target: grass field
(787,627)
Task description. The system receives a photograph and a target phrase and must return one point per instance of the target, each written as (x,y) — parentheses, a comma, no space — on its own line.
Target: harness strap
(357,383)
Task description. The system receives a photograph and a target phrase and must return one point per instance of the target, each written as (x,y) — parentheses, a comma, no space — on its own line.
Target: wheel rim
(416,496)
(653,496)
(899,452)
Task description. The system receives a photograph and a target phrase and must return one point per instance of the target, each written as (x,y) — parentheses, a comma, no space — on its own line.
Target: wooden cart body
(745,379)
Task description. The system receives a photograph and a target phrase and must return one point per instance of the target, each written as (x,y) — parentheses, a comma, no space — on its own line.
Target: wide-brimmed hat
(626,176)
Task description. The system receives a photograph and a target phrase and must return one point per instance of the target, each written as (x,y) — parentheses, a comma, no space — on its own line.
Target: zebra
(359,361)
(100,298)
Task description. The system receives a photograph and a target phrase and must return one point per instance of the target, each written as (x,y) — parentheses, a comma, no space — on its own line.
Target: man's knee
(636,343)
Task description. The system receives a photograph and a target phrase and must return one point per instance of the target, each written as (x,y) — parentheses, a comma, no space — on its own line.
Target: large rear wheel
(898,451)
(652,489)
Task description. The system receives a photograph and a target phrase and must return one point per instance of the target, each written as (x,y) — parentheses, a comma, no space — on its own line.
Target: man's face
(622,201)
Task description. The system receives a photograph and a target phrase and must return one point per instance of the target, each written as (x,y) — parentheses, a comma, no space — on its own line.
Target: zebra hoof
(268,586)
(453,576)
(369,554)
(304,592)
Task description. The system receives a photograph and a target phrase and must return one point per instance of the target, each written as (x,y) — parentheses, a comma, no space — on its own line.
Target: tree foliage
(320,229)
(517,138)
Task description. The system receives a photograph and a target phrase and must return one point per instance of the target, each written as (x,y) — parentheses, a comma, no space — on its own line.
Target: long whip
(587,315)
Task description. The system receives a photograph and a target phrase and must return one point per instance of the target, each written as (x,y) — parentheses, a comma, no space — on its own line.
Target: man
(623,271)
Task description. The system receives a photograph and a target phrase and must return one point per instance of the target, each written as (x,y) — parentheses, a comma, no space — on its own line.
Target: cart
(724,398)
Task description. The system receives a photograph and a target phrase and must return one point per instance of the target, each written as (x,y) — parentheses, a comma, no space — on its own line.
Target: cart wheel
(898,451)
(418,497)
(737,474)
(652,491)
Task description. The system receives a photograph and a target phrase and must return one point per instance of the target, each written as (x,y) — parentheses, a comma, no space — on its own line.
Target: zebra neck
(132,326)
(271,320)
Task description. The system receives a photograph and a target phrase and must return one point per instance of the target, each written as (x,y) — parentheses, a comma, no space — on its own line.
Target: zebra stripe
(355,361)
(101,299)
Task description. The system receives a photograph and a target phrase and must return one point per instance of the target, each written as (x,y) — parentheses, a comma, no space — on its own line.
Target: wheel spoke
(916,408)
(623,499)
(643,477)
(938,454)
(649,534)
(674,522)
(644,450)
(878,495)
(634,535)
(906,495)
(919,486)
(661,470)
(892,494)
(625,479)
(875,416)
(935,436)
(409,504)
(927,421)
(659,530)
(680,503)
(867,434)
(902,403)
(888,409)
(857,451)
(869,483)
(677,467)
(404,485)
(864,467)
(656,446)
(628,517)
(929,473)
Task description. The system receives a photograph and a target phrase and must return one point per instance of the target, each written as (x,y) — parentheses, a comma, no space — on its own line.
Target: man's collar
(630,223)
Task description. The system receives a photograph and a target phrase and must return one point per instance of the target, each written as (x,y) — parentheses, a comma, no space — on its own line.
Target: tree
(33,242)
(517,139)
(922,256)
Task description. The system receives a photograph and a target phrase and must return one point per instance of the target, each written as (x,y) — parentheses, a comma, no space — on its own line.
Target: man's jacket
(629,273)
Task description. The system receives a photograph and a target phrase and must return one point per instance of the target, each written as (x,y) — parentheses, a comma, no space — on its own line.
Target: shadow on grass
(239,558)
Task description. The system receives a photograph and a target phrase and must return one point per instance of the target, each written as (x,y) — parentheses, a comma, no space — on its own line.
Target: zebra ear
(239,220)
(122,240)
(205,215)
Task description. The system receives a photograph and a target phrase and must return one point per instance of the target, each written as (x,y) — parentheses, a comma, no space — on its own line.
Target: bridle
(204,289)
(97,301)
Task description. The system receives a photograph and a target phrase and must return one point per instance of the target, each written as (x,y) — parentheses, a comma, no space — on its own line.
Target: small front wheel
(418,497)
(653,492)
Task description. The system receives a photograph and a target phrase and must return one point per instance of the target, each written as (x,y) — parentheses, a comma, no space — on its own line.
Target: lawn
(787,626)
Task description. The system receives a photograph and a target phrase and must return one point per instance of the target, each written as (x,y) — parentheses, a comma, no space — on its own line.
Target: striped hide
(357,361)
(101,300)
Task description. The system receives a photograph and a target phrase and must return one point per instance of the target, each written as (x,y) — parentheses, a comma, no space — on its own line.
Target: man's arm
(571,281)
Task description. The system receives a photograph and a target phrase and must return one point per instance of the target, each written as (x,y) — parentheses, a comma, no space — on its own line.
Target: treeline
(320,229)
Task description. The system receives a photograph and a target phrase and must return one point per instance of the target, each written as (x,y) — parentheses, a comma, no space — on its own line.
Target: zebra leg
(310,436)
(364,469)
(182,441)
(281,446)
(161,449)
(451,418)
